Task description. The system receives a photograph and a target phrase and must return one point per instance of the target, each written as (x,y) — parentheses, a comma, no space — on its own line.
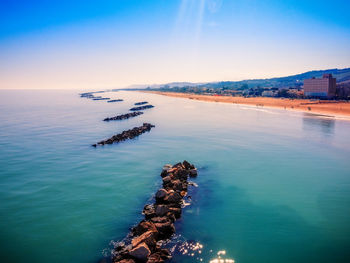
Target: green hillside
(289,81)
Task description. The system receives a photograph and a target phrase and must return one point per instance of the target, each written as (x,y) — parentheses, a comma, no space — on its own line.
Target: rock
(160,219)
(161,194)
(175,205)
(119,246)
(167,167)
(166,180)
(173,198)
(164,173)
(176,211)
(193,172)
(178,165)
(141,103)
(128,134)
(123,253)
(141,252)
(170,215)
(115,100)
(165,253)
(186,164)
(160,256)
(166,229)
(124,116)
(129,260)
(182,174)
(173,170)
(177,185)
(161,210)
(155,258)
(149,211)
(148,237)
(143,227)
(141,107)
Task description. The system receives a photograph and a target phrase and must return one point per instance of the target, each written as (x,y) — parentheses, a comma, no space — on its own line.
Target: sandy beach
(330,108)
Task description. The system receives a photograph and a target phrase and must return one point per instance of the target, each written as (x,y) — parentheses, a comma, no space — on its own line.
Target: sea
(273,185)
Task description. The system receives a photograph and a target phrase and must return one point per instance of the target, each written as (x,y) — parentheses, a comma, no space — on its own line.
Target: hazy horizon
(115,44)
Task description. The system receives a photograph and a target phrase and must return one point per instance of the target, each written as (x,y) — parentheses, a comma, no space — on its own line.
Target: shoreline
(339,110)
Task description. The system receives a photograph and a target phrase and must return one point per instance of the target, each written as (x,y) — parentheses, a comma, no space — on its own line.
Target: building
(268,93)
(324,87)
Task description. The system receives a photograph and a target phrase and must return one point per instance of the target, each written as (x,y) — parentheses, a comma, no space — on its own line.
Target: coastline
(339,110)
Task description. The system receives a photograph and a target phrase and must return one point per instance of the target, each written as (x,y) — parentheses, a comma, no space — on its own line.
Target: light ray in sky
(199,20)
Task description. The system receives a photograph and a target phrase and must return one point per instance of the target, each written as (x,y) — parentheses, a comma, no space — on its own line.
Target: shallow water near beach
(273,185)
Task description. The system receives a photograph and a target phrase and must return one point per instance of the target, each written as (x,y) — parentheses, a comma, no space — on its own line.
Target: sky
(116,43)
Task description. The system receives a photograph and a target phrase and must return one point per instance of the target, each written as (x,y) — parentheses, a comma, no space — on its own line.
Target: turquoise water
(274,185)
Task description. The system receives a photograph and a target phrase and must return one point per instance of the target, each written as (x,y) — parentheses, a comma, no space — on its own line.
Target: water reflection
(219,259)
(189,248)
(195,250)
(312,122)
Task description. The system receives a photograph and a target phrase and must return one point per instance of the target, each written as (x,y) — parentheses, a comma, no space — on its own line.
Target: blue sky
(105,44)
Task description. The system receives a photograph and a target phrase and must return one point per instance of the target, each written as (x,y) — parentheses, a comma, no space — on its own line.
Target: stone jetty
(115,100)
(142,108)
(87,95)
(126,135)
(97,98)
(145,242)
(124,116)
(141,103)
(90,95)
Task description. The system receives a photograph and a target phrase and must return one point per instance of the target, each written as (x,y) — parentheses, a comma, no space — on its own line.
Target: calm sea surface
(273,185)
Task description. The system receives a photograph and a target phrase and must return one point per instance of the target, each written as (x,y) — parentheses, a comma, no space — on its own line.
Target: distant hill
(169,85)
(341,75)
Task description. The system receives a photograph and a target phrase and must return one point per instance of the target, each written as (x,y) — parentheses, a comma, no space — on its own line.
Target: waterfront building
(324,87)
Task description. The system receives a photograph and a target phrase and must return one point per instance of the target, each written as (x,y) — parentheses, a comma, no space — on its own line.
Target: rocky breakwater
(145,241)
(141,103)
(141,107)
(118,100)
(100,98)
(126,135)
(124,116)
